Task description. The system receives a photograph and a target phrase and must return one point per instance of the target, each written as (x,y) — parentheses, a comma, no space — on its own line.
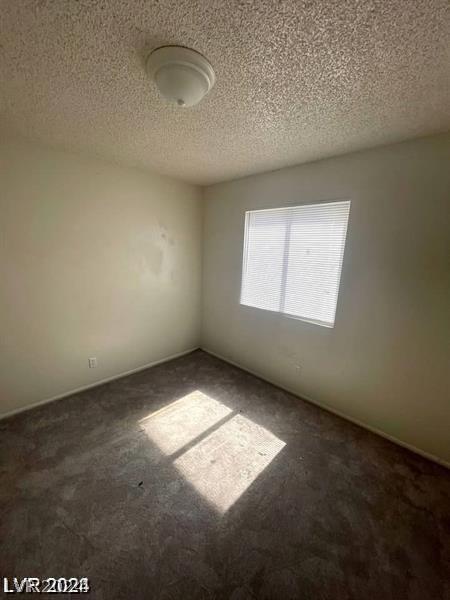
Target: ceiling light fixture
(183,76)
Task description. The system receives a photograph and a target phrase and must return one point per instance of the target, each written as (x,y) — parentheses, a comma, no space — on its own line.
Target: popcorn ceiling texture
(296,80)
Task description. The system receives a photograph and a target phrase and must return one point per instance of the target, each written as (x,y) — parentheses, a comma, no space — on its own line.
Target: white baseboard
(391,438)
(95,384)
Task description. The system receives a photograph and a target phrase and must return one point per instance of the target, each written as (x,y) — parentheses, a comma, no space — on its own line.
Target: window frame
(244,257)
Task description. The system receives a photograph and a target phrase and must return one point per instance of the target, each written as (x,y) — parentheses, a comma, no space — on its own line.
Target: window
(292,260)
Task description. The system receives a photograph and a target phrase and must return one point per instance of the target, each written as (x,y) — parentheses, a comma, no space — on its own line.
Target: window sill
(289,316)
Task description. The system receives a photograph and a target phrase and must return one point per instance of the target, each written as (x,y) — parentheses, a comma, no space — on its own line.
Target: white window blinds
(292,259)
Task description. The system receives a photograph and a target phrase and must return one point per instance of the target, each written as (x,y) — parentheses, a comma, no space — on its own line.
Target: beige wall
(95,260)
(99,260)
(386,362)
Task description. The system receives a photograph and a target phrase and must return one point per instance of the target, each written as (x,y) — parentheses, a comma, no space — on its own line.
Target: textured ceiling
(296,80)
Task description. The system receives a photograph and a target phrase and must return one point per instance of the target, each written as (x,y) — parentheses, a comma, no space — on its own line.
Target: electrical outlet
(92,362)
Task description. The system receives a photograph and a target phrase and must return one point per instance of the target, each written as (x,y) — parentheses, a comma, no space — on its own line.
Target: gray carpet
(194,479)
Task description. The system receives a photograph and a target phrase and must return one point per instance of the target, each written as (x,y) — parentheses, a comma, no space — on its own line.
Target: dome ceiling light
(183,76)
